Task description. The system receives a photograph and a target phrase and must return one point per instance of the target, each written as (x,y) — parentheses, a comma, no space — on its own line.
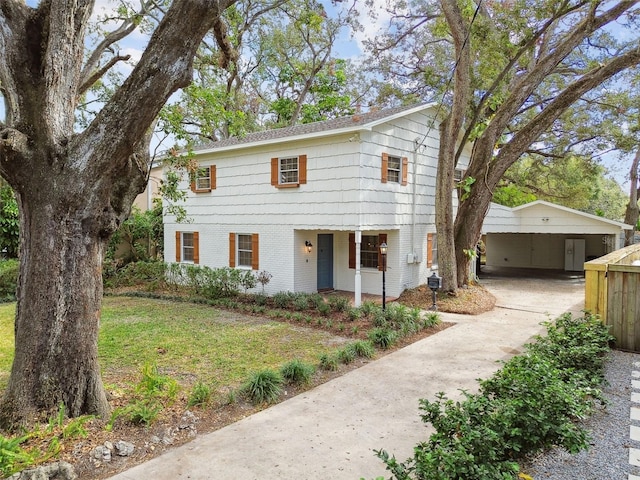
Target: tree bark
(632,212)
(74,189)
(450,130)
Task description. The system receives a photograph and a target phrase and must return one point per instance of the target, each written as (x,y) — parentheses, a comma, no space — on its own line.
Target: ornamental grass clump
(532,403)
(264,386)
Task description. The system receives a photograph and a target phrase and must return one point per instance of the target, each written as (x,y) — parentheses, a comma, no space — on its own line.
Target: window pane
(187,247)
(369,251)
(393,169)
(289,170)
(203,180)
(244,250)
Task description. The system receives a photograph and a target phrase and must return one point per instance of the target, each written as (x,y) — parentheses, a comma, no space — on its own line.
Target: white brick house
(311,204)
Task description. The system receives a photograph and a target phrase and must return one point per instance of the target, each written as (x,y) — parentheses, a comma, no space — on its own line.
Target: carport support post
(358,278)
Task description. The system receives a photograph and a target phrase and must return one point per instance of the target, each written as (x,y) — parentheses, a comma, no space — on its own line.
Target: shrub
(8,279)
(328,362)
(300,303)
(354,313)
(383,337)
(297,371)
(200,395)
(263,278)
(324,309)
(315,300)
(264,386)
(12,457)
(247,280)
(283,300)
(339,303)
(368,308)
(530,404)
(346,354)
(431,319)
(364,348)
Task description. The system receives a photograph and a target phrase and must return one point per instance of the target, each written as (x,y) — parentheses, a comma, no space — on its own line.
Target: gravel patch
(608,456)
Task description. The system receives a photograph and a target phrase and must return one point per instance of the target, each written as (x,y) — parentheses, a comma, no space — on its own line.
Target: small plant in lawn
(431,319)
(324,309)
(368,308)
(264,386)
(354,313)
(301,303)
(328,362)
(355,330)
(200,395)
(297,371)
(315,299)
(260,299)
(339,303)
(346,355)
(283,300)
(154,384)
(298,317)
(248,280)
(363,348)
(12,457)
(383,337)
(308,318)
(144,412)
(263,278)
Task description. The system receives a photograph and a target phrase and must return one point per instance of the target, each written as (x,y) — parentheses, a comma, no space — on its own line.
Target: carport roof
(547,217)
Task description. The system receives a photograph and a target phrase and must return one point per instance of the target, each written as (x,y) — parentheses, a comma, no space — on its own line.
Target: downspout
(414,200)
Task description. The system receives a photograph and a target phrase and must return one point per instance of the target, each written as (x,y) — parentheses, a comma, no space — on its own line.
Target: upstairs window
(289,171)
(204,179)
(394,169)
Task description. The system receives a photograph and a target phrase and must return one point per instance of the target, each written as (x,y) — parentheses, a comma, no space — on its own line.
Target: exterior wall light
(308,245)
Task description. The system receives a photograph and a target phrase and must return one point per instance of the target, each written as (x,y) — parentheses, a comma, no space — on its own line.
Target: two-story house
(311,204)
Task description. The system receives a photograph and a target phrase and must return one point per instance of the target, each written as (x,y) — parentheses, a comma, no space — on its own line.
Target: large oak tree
(530,63)
(75,187)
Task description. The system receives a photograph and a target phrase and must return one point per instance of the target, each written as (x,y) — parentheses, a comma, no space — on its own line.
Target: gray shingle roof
(355,120)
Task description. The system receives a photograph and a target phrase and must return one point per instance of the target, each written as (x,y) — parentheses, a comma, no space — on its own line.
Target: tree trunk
(632,211)
(75,188)
(65,223)
(444,212)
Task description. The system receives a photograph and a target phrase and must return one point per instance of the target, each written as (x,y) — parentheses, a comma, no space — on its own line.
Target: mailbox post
(434,282)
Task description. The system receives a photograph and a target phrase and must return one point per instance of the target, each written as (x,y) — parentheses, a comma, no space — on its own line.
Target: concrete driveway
(331,431)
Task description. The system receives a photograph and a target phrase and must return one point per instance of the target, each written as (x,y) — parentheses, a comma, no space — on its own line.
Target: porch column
(358,280)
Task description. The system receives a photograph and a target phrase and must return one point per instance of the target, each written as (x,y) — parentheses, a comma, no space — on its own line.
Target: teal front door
(325,261)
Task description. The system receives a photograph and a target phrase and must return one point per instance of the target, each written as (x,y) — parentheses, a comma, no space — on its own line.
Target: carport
(547,236)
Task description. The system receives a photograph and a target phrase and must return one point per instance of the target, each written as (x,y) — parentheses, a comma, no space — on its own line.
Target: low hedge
(532,403)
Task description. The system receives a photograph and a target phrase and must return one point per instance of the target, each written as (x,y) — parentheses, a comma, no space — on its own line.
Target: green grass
(7,313)
(186,341)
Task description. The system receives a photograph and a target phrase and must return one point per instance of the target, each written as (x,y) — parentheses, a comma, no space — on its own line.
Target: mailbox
(434,282)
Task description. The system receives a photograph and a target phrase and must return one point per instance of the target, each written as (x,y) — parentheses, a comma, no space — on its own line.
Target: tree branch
(93,78)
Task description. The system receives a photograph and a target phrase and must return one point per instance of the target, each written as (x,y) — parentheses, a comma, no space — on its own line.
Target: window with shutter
(203,180)
(289,172)
(187,247)
(244,250)
(394,169)
(369,250)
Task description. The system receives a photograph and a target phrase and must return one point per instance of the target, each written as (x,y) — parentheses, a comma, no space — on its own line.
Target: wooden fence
(612,290)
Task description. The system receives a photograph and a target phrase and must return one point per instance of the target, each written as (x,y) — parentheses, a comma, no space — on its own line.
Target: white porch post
(358,280)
